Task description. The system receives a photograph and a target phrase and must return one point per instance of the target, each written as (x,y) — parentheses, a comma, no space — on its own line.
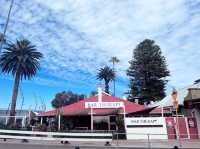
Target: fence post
(6,120)
(179,141)
(117,139)
(149,143)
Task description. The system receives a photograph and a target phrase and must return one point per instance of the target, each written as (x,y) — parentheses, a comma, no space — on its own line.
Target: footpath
(159,144)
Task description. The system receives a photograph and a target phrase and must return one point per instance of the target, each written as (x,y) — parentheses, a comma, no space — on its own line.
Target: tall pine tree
(147,73)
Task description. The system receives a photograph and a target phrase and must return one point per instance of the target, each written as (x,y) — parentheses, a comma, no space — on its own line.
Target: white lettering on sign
(100,105)
(144,121)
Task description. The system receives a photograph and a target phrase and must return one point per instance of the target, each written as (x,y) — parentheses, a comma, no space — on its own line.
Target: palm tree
(21,59)
(114,60)
(107,74)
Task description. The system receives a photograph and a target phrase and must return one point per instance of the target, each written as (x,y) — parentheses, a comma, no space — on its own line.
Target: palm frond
(106,73)
(21,57)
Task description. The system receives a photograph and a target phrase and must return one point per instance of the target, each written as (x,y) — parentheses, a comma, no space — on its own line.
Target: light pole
(175,106)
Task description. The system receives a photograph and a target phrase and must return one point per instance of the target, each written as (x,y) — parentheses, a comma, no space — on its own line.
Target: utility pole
(36,103)
(2,37)
(43,104)
(8,109)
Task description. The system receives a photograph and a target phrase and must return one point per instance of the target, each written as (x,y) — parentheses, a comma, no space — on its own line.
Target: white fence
(57,136)
(21,119)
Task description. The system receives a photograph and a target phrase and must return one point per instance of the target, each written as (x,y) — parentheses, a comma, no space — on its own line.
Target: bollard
(66,142)
(107,143)
(24,141)
(175,147)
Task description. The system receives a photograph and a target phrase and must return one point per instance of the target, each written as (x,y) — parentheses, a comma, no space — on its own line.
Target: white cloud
(79,36)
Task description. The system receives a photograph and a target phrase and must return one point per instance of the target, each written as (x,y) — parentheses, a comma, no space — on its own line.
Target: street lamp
(175,106)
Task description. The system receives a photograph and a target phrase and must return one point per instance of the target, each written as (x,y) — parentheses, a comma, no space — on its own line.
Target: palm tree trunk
(107,87)
(14,99)
(114,79)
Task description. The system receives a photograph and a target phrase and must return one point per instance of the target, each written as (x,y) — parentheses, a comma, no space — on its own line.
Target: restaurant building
(101,112)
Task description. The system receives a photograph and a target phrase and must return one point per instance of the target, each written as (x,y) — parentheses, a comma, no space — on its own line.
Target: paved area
(139,144)
(36,146)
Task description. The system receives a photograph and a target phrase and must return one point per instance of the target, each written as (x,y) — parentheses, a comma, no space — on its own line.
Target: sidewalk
(114,144)
(157,143)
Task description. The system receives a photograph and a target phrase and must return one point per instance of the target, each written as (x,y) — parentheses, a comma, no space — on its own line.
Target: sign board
(144,121)
(101,105)
(191,123)
(140,127)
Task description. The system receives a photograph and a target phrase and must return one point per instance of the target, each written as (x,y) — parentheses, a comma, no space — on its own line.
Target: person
(175,147)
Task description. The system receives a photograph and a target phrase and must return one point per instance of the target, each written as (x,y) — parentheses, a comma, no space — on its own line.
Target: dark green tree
(197,81)
(66,98)
(93,93)
(21,59)
(147,73)
(107,74)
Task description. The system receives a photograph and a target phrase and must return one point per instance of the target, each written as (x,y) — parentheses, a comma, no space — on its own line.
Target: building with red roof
(79,108)
(98,112)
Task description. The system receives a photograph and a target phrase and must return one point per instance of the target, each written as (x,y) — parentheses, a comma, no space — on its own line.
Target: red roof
(78,108)
(159,110)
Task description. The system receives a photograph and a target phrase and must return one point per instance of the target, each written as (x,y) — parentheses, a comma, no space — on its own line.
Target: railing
(58,136)
(116,139)
(155,140)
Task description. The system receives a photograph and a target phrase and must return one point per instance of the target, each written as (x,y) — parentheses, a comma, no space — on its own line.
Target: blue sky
(79,36)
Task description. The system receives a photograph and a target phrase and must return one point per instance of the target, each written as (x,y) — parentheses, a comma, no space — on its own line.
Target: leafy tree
(147,73)
(197,81)
(107,74)
(66,98)
(114,60)
(93,93)
(21,59)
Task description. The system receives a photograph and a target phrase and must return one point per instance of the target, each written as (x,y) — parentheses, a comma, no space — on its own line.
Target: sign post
(59,122)
(175,106)
(124,113)
(91,113)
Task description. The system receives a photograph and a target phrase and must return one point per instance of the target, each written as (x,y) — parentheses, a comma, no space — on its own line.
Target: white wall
(138,128)
(197,116)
